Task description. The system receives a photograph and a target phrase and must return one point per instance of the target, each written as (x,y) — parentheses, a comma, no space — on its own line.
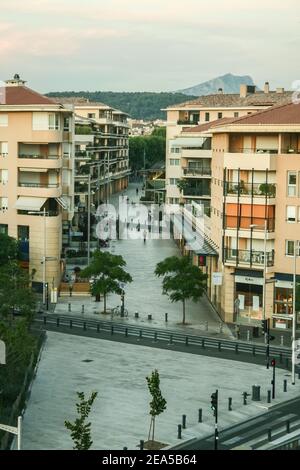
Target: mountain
(139,105)
(230,84)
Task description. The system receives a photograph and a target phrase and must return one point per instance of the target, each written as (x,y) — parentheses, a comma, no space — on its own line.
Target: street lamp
(294,343)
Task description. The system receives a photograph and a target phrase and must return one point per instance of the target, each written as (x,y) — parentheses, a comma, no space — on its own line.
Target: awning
(195,242)
(187,142)
(30,203)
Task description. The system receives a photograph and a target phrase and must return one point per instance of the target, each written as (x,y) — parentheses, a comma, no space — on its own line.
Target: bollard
(203,343)
(179,434)
(98,328)
(57,322)
(84,325)
(248,335)
(245,395)
(82,309)
(183,421)
(236,349)
(229,404)
(112,330)
(282,340)
(45,320)
(136,315)
(288,426)
(269,396)
(171,339)
(269,435)
(71,323)
(285,385)
(186,340)
(149,317)
(200,415)
(253,351)
(126,332)
(69,307)
(166,317)
(206,325)
(142,445)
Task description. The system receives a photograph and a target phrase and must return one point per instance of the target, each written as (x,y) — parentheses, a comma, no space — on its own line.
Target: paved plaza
(120,414)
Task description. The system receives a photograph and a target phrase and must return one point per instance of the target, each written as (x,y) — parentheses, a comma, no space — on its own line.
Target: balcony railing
(249,257)
(252,150)
(250,189)
(243,223)
(182,122)
(200,192)
(38,185)
(38,214)
(39,156)
(197,171)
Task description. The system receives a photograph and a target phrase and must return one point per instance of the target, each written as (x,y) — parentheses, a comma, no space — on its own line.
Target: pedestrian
(145,235)
(137,191)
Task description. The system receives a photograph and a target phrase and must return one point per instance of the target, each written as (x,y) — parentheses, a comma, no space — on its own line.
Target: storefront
(283,301)
(248,288)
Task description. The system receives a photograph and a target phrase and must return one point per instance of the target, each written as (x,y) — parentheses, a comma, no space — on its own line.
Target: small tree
(107,269)
(80,430)
(158,404)
(182,280)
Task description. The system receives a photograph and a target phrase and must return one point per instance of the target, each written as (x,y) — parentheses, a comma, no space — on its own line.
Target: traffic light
(264,325)
(214,402)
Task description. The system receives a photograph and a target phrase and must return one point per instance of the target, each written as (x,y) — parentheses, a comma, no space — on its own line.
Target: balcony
(247,257)
(196,192)
(185,122)
(196,172)
(40,161)
(244,223)
(39,189)
(266,190)
(247,159)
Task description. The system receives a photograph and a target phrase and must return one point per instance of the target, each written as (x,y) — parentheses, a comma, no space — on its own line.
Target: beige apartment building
(188,150)
(255,214)
(36,177)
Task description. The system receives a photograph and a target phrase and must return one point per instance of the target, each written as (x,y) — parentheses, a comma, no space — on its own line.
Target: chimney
(220,91)
(267,88)
(243,91)
(280,90)
(16,81)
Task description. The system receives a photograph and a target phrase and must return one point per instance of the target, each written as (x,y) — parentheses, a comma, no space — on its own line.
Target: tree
(80,430)
(9,249)
(107,271)
(182,280)
(158,404)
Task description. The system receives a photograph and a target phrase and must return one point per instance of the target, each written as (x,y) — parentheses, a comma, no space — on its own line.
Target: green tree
(81,430)
(182,280)
(158,404)
(9,249)
(107,271)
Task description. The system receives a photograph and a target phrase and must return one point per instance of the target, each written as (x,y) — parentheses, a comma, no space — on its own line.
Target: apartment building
(255,214)
(188,150)
(36,177)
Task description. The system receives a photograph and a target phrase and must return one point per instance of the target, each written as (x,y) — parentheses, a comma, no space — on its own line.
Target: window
(236,114)
(91,115)
(291,213)
(3,149)
(23,232)
(4,229)
(3,120)
(220,115)
(292,183)
(173,181)
(207,117)
(175,150)
(3,203)
(174,162)
(3,176)
(53,122)
(289,247)
(66,123)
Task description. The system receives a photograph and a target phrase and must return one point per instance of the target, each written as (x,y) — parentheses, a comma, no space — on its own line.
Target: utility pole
(44,257)
(273,363)
(89,219)
(265,276)
(294,344)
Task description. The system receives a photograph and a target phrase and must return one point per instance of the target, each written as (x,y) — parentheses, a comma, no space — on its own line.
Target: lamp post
(294,344)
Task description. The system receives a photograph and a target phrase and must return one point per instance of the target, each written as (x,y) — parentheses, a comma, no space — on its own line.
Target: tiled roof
(282,114)
(235,100)
(21,95)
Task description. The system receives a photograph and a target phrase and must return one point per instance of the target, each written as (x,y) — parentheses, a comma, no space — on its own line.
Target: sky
(148,45)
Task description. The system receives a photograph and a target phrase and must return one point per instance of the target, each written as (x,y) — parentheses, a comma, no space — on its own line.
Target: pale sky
(148,45)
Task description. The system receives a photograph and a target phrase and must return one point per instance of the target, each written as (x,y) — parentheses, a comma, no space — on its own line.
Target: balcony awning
(187,142)
(30,203)
(194,240)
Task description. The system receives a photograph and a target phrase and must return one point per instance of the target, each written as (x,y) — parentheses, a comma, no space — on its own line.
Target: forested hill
(139,105)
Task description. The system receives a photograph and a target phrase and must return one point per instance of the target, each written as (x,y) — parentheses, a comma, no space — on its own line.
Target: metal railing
(197,171)
(244,223)
(253,150)
(38,185)
(248,257)
(171,337)
(190,191)
(39,156)
(250,189)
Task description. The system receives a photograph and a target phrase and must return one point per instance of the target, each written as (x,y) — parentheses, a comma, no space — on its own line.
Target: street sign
(217,279)
(2,353)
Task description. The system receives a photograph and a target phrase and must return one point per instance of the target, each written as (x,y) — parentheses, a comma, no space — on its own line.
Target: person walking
(137,191)
(145,235)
